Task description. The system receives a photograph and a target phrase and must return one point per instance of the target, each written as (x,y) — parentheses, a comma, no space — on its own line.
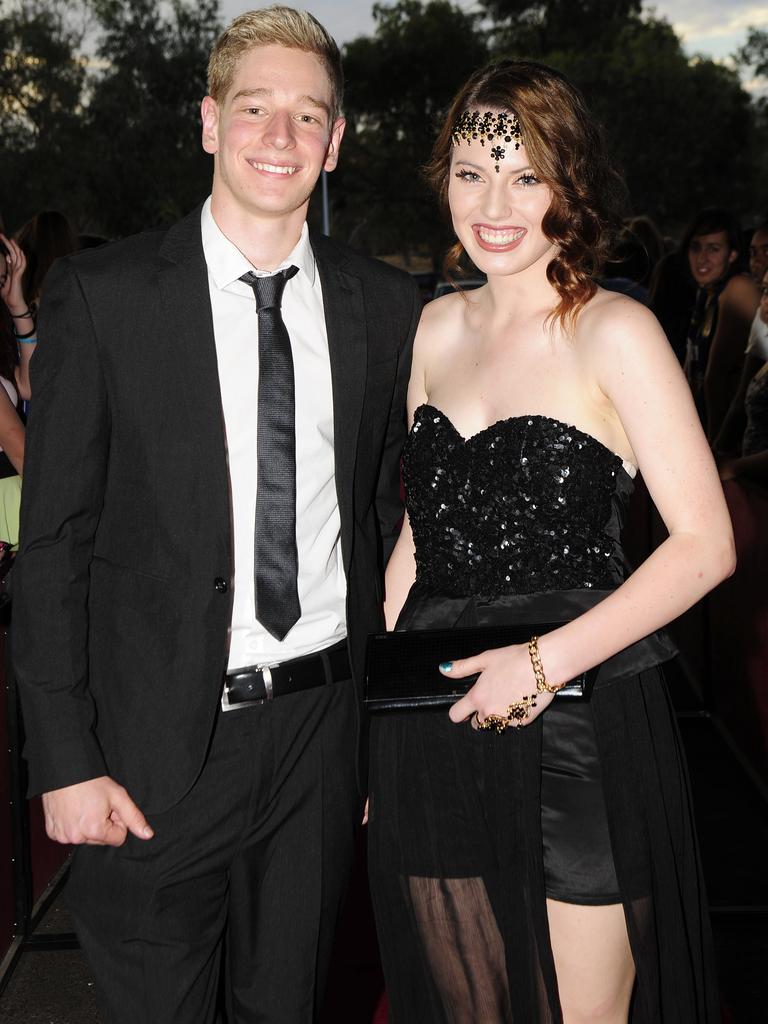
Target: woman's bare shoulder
(441,320)
(740,293)
(612,319)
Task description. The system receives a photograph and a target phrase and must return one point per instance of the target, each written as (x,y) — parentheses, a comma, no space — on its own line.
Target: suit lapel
(183,284)
(348,347)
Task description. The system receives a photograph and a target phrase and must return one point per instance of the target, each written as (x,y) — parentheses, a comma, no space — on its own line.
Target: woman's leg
(463,947)
(593,961)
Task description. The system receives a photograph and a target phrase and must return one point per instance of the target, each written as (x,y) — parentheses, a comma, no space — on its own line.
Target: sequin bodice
(528,504)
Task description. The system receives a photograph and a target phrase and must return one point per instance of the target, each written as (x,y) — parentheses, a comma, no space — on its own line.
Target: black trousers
(254,860)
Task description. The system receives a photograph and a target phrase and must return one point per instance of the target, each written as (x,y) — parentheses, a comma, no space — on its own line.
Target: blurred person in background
(726,301)
(15,322)
(43,239)
(729,438)
(671,299)
(645,230)
(630,266)
(752,460)
(640,247)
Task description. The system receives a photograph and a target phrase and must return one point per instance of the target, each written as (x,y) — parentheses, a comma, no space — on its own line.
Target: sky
(712,27)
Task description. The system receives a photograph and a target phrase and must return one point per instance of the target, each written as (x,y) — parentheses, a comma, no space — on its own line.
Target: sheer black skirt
(470,831)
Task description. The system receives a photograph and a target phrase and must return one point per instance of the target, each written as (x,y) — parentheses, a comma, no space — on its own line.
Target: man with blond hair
(211,489)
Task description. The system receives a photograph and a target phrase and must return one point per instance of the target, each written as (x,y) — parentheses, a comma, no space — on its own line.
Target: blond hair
(274,26)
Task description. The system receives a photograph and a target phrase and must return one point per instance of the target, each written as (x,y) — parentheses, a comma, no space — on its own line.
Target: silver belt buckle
(266,672)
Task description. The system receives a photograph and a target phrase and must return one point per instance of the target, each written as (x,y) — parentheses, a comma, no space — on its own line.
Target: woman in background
(726,301)
(43,239)
(533,859)
(752,461)
(14,316)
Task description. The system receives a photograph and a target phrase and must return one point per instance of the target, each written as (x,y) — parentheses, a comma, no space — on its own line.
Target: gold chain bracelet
(542,685)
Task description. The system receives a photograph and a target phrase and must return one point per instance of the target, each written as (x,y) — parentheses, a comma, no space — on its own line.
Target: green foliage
(398,82)
(754,53)
(753,57)
(550,25)
(678,129)
(113,141)
(40,115)
(143,115)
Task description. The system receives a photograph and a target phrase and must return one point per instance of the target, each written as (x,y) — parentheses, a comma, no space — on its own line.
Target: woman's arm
(26,351)
(11,432)
(738,304)
(747,467)
(637,371)
(729,436)
(641,378)
(23,321)
(400,574)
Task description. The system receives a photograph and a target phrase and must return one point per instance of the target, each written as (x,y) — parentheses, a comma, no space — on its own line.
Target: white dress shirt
(321,583)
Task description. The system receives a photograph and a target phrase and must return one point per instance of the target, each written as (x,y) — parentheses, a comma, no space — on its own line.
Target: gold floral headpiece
(492,127)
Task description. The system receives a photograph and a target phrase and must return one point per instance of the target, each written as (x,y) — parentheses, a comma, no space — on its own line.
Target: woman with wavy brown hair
(532,858)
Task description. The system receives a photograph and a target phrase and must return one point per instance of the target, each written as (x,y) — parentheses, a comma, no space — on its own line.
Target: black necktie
(275,568)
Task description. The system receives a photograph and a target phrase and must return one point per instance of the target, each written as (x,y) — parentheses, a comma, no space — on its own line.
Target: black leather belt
(267,682)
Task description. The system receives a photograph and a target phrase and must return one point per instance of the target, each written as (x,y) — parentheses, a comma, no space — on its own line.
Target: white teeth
(274,168)
(494,237)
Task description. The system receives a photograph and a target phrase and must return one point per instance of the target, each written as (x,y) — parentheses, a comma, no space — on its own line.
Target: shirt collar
(226,263)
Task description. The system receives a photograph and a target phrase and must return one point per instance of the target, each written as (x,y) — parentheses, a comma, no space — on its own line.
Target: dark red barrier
(6,849)
(739,627)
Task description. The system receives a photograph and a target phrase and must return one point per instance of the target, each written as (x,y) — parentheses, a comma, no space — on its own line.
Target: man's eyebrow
(316,103)
(255,91)
(252,92)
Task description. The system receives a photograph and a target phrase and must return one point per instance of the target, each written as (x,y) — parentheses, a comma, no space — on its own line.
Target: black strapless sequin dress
(470,831)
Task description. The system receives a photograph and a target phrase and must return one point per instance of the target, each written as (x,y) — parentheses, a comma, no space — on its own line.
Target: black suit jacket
(122,596)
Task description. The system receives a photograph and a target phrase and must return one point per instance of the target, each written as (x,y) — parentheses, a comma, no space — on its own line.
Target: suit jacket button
(220,585)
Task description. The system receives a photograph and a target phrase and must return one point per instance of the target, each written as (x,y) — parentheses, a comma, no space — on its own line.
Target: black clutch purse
(401,671)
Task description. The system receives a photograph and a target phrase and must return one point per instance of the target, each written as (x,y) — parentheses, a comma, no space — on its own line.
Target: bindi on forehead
(492,126)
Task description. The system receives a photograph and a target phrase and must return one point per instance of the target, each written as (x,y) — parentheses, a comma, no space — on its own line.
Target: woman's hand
(506,677)
(11,275)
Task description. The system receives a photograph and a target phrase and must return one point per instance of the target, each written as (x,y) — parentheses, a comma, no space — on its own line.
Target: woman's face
(710,257)
(497,214)
(764,298)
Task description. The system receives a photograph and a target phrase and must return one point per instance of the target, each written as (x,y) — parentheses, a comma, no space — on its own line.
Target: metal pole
(326,212)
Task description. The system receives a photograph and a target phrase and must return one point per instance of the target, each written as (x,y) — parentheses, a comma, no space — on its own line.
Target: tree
(40,108)
(679,128)
(550,25)
(399,80)
(143,116)
(753,57)
(754,53)
(659,109)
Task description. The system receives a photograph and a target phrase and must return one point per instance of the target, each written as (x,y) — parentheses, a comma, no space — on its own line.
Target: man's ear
(209,111)
(334,144)
(732,256)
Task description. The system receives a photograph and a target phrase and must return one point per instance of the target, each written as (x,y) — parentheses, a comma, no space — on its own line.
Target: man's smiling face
(272,134)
